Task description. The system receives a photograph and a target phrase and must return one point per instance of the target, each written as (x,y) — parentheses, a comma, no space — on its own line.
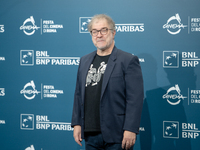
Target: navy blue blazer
(121,96)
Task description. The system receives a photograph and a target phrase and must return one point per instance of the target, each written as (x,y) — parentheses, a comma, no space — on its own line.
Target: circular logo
(29,26)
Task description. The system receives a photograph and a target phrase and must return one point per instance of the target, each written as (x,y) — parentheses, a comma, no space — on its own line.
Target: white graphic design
(170,129)
(29,26)
(170,59)
(27,57)
(95,76)
(27,121)
(2,28)
(83,23)
(174,98)
(175,26)
(29,90)
(2,91)
(2,122)
(30,148)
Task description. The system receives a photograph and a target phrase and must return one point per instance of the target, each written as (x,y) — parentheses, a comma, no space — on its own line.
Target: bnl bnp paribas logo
(130,27)
(171,59)
(43,58)
(29,26)
(42,122)
(172,129)
(173,95)
(174,25)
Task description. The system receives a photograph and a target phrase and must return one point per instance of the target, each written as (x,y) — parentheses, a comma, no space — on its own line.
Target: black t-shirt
(93,93)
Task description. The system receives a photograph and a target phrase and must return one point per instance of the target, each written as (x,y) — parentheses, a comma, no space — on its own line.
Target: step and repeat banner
(41,43)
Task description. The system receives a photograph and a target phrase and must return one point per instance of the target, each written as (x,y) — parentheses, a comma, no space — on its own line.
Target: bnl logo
(83,23)
(27,57)
(170,129)
(170,59)
(27,121)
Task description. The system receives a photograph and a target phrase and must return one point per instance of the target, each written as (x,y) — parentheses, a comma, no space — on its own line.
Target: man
(109,92)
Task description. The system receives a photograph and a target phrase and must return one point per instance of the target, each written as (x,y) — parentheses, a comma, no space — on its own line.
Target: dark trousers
(94,141)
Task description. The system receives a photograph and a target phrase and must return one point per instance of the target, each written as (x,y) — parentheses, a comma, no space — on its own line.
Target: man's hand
(128,139)
(77,134)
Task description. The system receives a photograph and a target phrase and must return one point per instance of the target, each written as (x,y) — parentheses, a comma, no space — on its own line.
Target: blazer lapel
(109,68)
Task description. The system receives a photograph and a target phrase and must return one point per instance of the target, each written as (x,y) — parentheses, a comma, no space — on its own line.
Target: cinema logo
(29,26)
(43,58)
(171,129)
(42,122)
(46,26)
(188,59)
(173,95)
(47,91)
(174,25)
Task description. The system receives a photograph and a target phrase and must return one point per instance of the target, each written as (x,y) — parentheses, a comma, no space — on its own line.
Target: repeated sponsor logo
(42,122)
(43,58)
(174,25)
(47,91)
(2,91)
(170,59)
(30,148)
(27,57)
(2,28)
(194,24)
(29,27)
(141,129)
(173,95)
(2,122)
(172,129)
(2,58)
(193,96)
(131,27)
(124,27)
(83,23)
(141,59)
(188,59)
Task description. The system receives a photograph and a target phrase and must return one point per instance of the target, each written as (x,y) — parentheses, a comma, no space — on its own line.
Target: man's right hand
(77,134)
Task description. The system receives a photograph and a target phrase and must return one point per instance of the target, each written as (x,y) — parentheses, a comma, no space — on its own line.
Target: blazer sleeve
(76,113)
(134,95)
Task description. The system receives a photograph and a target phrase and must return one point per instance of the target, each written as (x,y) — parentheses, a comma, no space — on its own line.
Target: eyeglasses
(103,31)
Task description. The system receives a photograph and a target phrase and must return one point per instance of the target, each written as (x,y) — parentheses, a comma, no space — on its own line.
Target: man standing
(109,92)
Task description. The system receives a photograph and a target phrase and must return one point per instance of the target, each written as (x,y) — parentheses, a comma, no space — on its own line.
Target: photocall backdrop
(41,43)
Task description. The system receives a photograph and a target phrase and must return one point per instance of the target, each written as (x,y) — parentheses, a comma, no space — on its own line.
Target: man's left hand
(128,139)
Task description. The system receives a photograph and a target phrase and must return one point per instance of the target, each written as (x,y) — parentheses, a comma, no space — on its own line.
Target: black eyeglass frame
(100,31)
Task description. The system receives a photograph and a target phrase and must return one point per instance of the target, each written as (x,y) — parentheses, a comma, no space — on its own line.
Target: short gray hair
(109,20)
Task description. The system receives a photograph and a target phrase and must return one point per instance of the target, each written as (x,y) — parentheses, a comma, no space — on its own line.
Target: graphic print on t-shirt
(94,75)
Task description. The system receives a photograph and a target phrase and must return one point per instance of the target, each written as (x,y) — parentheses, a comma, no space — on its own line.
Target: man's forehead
(100,23)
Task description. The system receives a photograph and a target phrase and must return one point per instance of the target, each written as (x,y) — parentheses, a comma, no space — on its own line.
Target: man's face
(102,42)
